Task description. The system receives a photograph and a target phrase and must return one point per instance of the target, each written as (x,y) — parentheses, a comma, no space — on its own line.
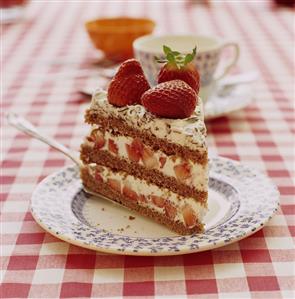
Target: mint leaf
(190,57)
(170,57)
(194,51)
(176,58)
(160,60)
(166,50)
(175,53)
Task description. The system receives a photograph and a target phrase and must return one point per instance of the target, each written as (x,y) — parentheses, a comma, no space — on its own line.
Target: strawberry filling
(134,190)
(186,172)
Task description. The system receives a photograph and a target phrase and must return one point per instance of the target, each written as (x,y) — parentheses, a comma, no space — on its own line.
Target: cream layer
(189,132)
(148,191)
(187,172)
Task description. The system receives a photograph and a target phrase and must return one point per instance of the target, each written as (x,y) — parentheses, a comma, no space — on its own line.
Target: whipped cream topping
(141,187)
(189,132)
(198,173)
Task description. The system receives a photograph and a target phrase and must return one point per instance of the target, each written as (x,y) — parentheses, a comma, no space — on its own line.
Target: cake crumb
(102,209)
(131,218)
(128,226)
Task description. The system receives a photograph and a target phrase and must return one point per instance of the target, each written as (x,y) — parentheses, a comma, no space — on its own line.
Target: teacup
(209,50)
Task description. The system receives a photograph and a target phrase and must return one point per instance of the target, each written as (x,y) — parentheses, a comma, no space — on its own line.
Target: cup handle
(234,59)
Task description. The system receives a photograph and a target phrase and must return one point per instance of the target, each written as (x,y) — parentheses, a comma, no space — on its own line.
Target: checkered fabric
(41,60)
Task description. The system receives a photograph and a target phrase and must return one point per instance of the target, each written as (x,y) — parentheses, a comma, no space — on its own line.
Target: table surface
(40,58)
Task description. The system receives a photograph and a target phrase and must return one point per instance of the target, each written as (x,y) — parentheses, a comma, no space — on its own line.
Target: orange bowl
(114,36)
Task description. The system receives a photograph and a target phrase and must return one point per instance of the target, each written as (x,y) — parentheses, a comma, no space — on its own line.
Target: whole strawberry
(128,85)
(172,99)
(178,66)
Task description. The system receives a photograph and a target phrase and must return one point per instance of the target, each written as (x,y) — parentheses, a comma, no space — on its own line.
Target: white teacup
(209,50)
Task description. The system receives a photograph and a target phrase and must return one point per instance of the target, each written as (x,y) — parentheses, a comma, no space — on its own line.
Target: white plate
(238,98)
(241,201)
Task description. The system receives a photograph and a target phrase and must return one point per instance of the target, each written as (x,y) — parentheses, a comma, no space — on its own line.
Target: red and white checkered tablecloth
(40,59)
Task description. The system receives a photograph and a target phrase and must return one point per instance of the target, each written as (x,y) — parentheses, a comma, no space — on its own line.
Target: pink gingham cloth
(41,58)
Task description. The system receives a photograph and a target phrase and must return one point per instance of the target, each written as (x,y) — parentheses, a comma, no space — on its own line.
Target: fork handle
(28,128)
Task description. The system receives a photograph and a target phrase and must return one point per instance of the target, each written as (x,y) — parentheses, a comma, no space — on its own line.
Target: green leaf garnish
(188,58)
(166,50)
(175,53)
(170,57)
(160,60)
(175,58)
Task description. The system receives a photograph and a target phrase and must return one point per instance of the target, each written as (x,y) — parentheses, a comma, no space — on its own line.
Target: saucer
(222,102)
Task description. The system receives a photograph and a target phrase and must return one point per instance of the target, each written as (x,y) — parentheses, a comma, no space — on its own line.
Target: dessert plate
(241,201)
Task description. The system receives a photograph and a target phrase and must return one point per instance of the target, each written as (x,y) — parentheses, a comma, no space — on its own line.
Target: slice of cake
(149,157)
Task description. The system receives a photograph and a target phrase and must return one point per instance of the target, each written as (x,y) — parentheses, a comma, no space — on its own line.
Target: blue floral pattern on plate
(58,200)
